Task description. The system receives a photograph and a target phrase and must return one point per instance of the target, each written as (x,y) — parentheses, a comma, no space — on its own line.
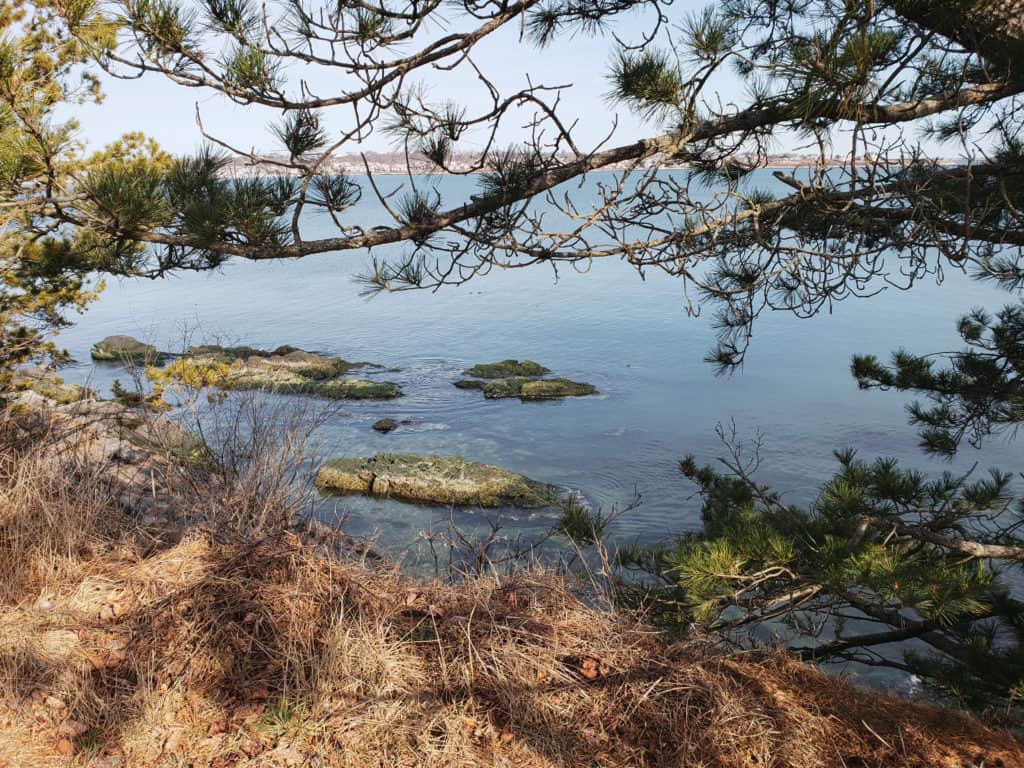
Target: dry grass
(121,649)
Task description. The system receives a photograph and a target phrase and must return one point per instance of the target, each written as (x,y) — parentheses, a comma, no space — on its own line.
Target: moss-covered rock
(505,387)
(126,349)
(448,480)
(285,370)
(512,378)
(385,425)
(48,384)
(537,389)
(507,368)
(555,389)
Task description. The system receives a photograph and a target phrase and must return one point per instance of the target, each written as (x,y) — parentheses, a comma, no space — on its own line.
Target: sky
(166,111)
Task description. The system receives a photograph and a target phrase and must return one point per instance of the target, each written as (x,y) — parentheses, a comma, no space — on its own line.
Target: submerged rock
(126,349)
(437,479)
(385,425)
(507,368)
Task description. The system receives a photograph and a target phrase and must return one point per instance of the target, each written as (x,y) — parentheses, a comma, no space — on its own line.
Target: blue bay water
(632,338)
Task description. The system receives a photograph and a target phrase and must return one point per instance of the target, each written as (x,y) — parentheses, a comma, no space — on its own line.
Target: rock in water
(537,389)
(436,479)
(385,425)
(286,370)
(125,349)
(512,378)
(506,368)
(554,389)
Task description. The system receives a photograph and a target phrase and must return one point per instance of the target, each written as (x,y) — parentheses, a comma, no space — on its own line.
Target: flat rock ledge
(286,370)
(450,480)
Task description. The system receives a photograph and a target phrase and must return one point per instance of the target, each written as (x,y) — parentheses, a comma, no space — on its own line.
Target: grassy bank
(173,639)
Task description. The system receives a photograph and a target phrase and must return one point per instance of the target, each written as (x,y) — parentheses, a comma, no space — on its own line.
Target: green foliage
(43,274)
(581,525)
(251,69)
(335,192)
(882,550)
(647,81)
(236,17)
(165,27)
(979,391)
(301,133)
(419,207)
(512,171)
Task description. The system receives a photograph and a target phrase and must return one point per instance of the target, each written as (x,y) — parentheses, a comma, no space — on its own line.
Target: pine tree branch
(668,144)
(963,546)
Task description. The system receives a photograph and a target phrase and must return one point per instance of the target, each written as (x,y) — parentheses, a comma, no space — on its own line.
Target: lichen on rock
(450,480)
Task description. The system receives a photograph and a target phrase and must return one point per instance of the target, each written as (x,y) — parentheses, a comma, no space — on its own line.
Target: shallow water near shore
(630,337)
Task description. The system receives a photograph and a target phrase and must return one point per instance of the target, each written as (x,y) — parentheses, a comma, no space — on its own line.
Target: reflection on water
(630,337)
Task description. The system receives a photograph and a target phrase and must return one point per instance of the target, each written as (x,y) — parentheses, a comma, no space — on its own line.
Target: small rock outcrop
(506,368)
(385,425)
(285,370)
(450,480)
(126,349)
(512,378)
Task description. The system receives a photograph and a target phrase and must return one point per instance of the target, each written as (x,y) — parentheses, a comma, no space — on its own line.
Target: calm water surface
(630,337)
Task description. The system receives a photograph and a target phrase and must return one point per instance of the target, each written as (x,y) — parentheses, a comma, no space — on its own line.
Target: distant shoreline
(249,171)
(349,165)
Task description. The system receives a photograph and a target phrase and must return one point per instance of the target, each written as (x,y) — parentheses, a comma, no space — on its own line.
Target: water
(630,337)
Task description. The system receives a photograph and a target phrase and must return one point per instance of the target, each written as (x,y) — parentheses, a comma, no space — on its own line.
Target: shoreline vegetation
(156,611)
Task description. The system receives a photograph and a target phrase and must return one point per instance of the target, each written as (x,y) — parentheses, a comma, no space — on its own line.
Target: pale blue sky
(166,111)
